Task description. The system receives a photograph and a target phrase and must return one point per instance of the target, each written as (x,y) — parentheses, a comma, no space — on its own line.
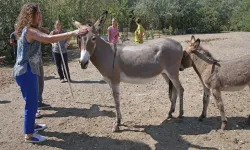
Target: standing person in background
(41,105)
(27,67)
(139,32)
(113,32)
(56,52)
(13,43)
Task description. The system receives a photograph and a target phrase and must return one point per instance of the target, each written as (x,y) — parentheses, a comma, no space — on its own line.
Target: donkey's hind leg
(174,77)
(206,98)
(116,96)
(219,102)
(172,96)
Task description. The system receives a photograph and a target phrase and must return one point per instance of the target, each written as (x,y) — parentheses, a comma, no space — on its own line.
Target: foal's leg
(219,102)
(249,114)
(116,93)
(173,98)
(206,98)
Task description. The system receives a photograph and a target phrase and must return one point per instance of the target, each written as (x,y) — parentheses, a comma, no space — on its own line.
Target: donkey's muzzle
(84,65)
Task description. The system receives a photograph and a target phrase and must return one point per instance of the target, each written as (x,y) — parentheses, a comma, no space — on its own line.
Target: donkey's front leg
(115,91)
(206,98)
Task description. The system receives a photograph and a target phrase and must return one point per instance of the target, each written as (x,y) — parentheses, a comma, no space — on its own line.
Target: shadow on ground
(50,77)
(169,133)
(82,141)
(4,102)
(89,82)
(92,112)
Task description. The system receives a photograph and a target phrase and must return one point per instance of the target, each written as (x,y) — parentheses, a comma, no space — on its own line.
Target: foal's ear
(197,43)
(77,24)
(192,39)
(100,22)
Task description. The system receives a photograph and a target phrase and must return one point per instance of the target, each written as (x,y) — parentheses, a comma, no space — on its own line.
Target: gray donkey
(216,75)
(133,64)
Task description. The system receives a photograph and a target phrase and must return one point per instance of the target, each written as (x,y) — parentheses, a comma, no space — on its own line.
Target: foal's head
(193,45)
(195,48)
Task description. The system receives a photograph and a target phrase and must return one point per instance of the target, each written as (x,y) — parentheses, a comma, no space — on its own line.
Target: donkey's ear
(100,22)
(76,23)
(192,39)
(197,43)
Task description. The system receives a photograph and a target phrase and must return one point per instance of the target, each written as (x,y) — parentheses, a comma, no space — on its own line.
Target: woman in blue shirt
(26,69)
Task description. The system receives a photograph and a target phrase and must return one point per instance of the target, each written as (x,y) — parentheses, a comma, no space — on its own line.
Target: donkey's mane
(207,53)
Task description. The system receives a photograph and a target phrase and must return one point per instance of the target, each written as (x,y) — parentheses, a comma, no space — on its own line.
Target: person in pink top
(113,32)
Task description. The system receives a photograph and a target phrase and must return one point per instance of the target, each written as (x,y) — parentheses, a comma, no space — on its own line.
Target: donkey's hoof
(115,129)
(180,117)
(248,121)
(223,125)
(169,117)
(201,117)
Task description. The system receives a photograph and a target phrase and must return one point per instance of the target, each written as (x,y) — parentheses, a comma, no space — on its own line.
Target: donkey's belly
(232,89)
(135,80)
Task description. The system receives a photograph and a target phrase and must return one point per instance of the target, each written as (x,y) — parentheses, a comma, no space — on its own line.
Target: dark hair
(138,20)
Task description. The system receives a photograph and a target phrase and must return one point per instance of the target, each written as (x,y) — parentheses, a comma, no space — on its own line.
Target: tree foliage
(195,16)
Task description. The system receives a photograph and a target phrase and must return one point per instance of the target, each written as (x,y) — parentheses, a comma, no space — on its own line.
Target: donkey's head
(193,45)
(88,41)
(198,51)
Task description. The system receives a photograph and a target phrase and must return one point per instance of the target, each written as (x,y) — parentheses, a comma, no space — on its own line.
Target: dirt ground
(85,121)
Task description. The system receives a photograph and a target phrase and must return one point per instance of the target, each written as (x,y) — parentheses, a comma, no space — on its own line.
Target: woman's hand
(117,35)
(12,43)
(80,31)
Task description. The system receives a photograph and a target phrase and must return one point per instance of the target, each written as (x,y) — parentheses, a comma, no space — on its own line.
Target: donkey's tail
(170,89)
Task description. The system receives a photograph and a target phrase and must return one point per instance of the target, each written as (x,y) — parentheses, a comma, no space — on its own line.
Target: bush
(147,35)
(168,31)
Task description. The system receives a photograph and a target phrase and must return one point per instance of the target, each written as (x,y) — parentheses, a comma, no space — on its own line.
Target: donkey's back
(150,59)
(234,74)
(165,44)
